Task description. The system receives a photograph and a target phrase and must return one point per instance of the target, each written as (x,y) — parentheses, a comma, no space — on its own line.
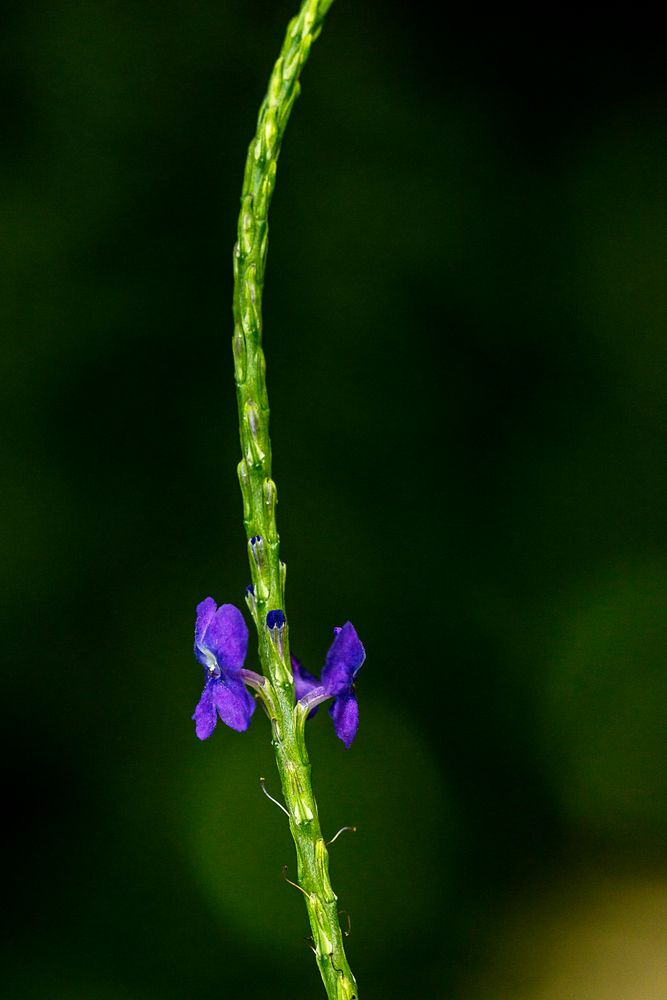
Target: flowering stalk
(266,596)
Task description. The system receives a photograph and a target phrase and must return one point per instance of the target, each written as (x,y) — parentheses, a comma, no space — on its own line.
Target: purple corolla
(344,659)
(221,642)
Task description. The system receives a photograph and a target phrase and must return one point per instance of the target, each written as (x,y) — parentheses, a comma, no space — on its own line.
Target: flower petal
(303,681)
(345,656)
(205,612)
(234,702)
(345,715)
(226,637)
(205,717)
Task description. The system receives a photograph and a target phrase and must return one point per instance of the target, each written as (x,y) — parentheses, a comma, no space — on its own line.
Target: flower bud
(275,622)
(258,557)
(253,428)
(247,225)
(249,303)
(238,347)
(270,494)
(275,619)
(244,482)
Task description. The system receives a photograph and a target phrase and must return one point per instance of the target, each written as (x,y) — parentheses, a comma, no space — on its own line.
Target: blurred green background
(465,318)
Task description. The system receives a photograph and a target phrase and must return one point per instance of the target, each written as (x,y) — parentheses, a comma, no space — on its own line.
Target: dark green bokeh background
(465,316)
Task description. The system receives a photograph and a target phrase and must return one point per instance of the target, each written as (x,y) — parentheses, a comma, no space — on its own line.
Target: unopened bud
(256,544)
(249,302)
(247,225)
(275,619)
(275,622)
(238,347)
(270,130)
(244,481)
(270,497)
(253,428)
(258,558)
(267,185)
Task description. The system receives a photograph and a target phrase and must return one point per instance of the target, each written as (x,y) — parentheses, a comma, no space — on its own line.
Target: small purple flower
(221,642)
(344,659)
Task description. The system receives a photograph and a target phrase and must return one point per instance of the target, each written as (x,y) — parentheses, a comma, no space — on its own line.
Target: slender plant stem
(259,504)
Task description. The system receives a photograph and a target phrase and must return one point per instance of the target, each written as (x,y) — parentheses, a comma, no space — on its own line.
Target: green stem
(260,497)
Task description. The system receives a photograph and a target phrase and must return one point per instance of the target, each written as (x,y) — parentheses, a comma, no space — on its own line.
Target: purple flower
(221,642)
(344,659)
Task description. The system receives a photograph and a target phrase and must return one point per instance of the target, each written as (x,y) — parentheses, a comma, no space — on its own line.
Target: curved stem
(260,496)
